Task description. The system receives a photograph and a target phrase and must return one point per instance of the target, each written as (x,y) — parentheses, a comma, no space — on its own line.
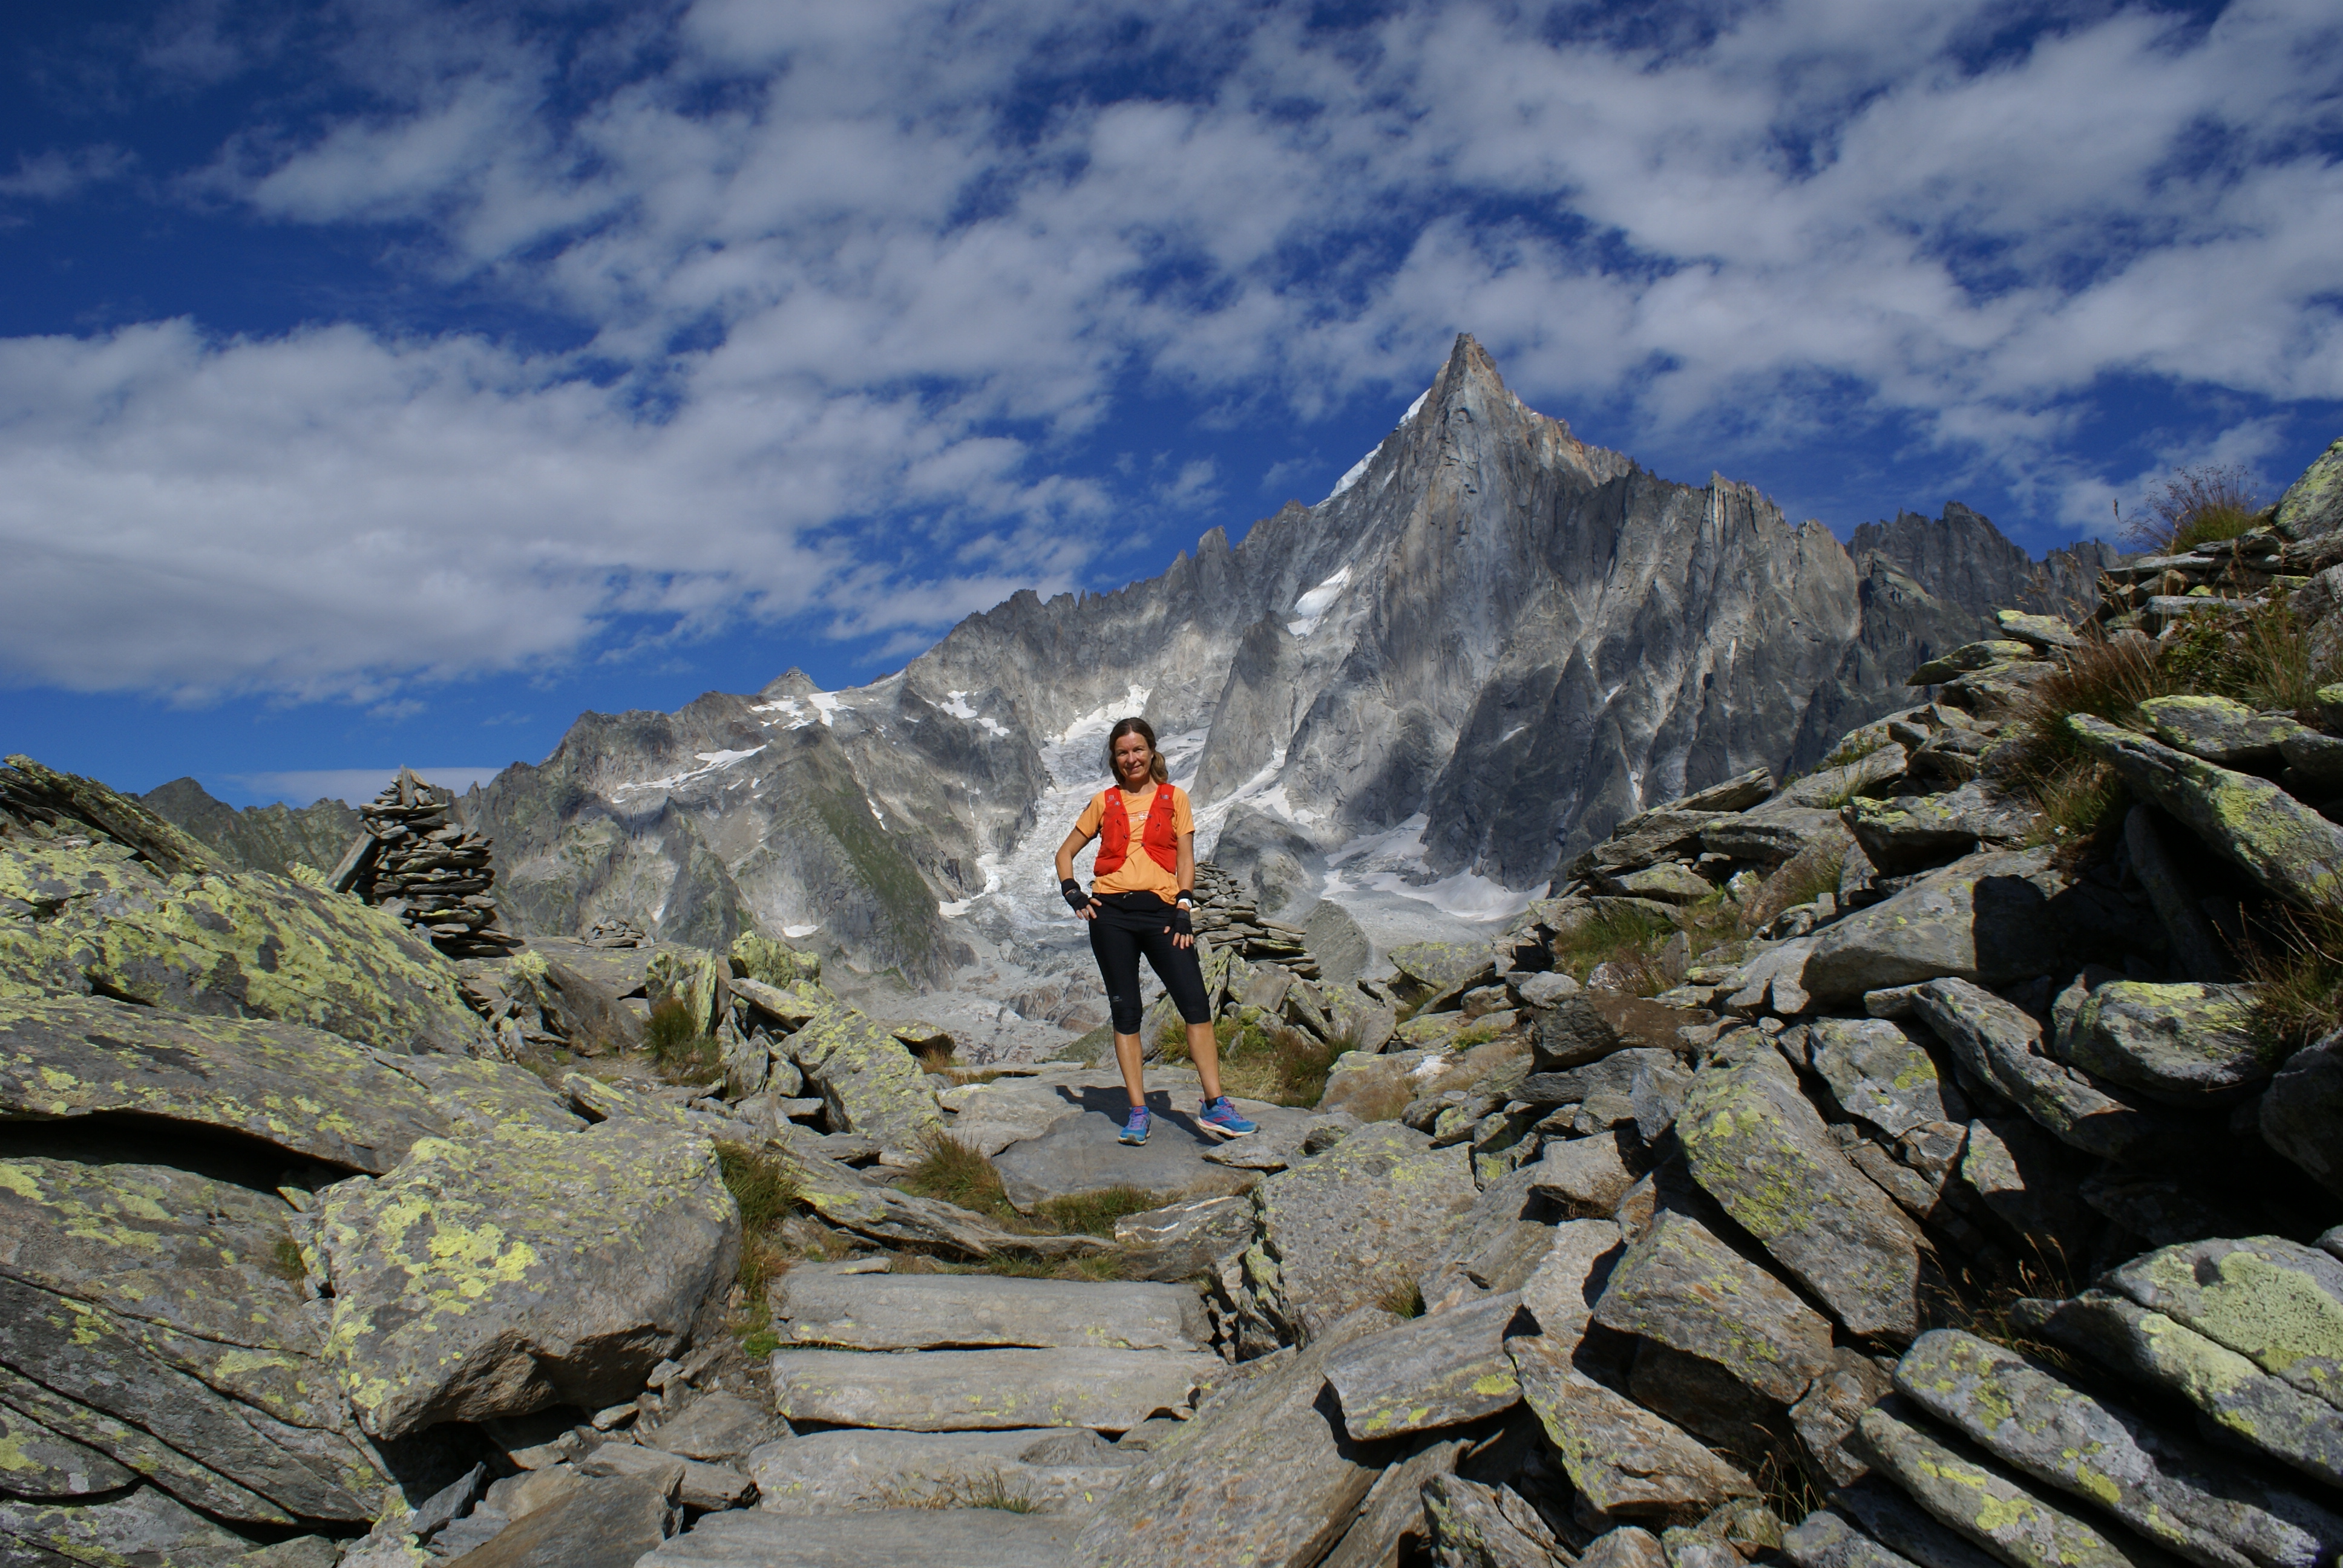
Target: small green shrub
(1628,937)
(680,1052)
(2198,506)
(2261,658)
(766,1196)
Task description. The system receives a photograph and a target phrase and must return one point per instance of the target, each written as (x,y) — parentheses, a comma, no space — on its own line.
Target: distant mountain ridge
(272,837)
(1488,645)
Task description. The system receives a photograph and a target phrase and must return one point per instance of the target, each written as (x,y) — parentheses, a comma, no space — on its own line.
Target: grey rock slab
(1679,1286)
(939,1537)
(1182,1241)
(1780,832)
(38,1463)
(2025,1178)
(1263,1474)
(141,1527)
(1755,1144)
(2174,1493)
(851,1471)
(1826,1539)
(604,1524)
(497,1276)
(1988,1505)
(2277,1303)
(1427,1374)
(1701,1548)
(1562,1293)
(1645,839)
(1982,919)
(1470,1526)
(1625,1546)
(1591,1024)
(2233,1394)
(932,1311)
(1625,1461)
(1391,1520)
(1370,1213)
(301,1090)
(2301,1113)
(1615,1074)
(2219,730)
(1078,1156)
(717,1424)
(1894,1521)
(1878,1074)
(1586,1177)
(990,1123)
(1834,1403)
(2002,1046)
(2289,848)
(872,1085)
(2184,1044)
(957,1391)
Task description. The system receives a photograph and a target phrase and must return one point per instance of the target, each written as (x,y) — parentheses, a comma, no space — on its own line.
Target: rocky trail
(1935,1161)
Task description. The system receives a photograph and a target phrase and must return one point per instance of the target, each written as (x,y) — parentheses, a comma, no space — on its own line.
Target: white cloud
(54,175)
(916,278)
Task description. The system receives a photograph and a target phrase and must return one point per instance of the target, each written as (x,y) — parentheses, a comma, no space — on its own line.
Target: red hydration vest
(1157,839)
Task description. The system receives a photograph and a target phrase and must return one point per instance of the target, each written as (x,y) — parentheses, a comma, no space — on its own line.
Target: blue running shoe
(1221,1119)
(1134,1132)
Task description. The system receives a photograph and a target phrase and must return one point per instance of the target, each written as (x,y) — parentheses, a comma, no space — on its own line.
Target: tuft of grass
(1403,1298)
(1800,879)
(681,1052)
(1978,1302)
(2198,506)
(2107,678)
(1094,1214)
(2297,978)
(951,1173)
(937,1057)
(1853,750)
(2261,658)
(1097,1268)
(765,1197)
(986,1492)
(1270,1061)
(284,1260)
(1629,939)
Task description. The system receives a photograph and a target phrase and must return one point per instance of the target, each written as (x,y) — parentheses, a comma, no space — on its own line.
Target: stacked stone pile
(428,870)
(1228,916)
(614,931)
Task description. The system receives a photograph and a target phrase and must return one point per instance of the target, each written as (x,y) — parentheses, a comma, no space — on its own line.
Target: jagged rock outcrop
(272,837)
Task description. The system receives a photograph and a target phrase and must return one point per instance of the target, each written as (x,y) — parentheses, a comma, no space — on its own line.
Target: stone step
(964,1390)
(848,1469)
(930,1312)
(902,1537)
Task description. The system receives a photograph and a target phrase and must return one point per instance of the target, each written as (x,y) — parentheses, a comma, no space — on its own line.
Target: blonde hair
(1137,726)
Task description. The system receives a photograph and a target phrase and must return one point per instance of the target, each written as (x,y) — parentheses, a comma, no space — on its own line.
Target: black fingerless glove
(1181,924)
(1076,900)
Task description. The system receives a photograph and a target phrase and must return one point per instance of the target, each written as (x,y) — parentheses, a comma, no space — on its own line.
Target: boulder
(2277,1303)
(147,1329)
(761,958)
(1625,1461)
(1782,832)
(988,1390)
(1261,1475)
(1832,1405)
(1625,1546)
(223,944)
(927,1311)
(1615,1075)
(1182,1241)
(506,1273)
(1431,1371)
(1590,1025)
(716,1425)
(606,1523)
(1912,832)
(1967,659)
(1428,967)
(1561,1292)
(1475,1526)
(1987,1503)
(871,1085)
(1896,1521)
(1831,788)
(2001,1046)
(1586,1177)
(1642,839)
(824,1474)
(2313,504)
(142,1526)
(587,1014)
(1668,883)
(1679,1286)
(1880,1074)
(1341,1230)
(2174,1492)
(1984,918)
(2233,1394)
(2043,633)
(2219,730)
(1757,1146)
(302,1089)
(2290,849)
(2184,1044)
(2301,1113)
(2026,1178)
(849,1200)
(1375,1088)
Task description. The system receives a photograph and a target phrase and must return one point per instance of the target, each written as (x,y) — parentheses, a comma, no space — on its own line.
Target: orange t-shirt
(1139,872)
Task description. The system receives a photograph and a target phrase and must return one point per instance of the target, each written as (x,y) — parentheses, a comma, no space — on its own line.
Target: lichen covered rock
(2302,1111)
(2182,1044)
(2277,1303)
(1681,1287)
(1983,919)
(871,1085)
(502,1274)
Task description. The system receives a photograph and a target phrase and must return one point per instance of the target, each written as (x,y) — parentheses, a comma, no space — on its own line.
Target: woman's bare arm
(1072,847)
(1187,872)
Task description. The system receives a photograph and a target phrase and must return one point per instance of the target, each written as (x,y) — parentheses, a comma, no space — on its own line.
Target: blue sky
(388,382)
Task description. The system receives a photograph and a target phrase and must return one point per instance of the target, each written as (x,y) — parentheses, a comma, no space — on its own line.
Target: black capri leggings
(1119,935)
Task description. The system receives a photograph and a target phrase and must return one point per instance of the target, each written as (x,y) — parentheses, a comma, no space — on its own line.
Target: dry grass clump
(951,1173)
(2295,966)
(2196,507)
(1401,1298)
(766,1196)
(1261,1060)
(1628,939)
(2261,658)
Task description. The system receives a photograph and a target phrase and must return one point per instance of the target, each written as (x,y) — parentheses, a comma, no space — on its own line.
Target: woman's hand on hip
(1184,941)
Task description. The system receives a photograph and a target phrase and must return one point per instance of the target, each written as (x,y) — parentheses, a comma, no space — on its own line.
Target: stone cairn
(1227,916)
(616,932)
(431,872)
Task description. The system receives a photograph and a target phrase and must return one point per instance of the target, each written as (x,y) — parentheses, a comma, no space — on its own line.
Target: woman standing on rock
(1141,902)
